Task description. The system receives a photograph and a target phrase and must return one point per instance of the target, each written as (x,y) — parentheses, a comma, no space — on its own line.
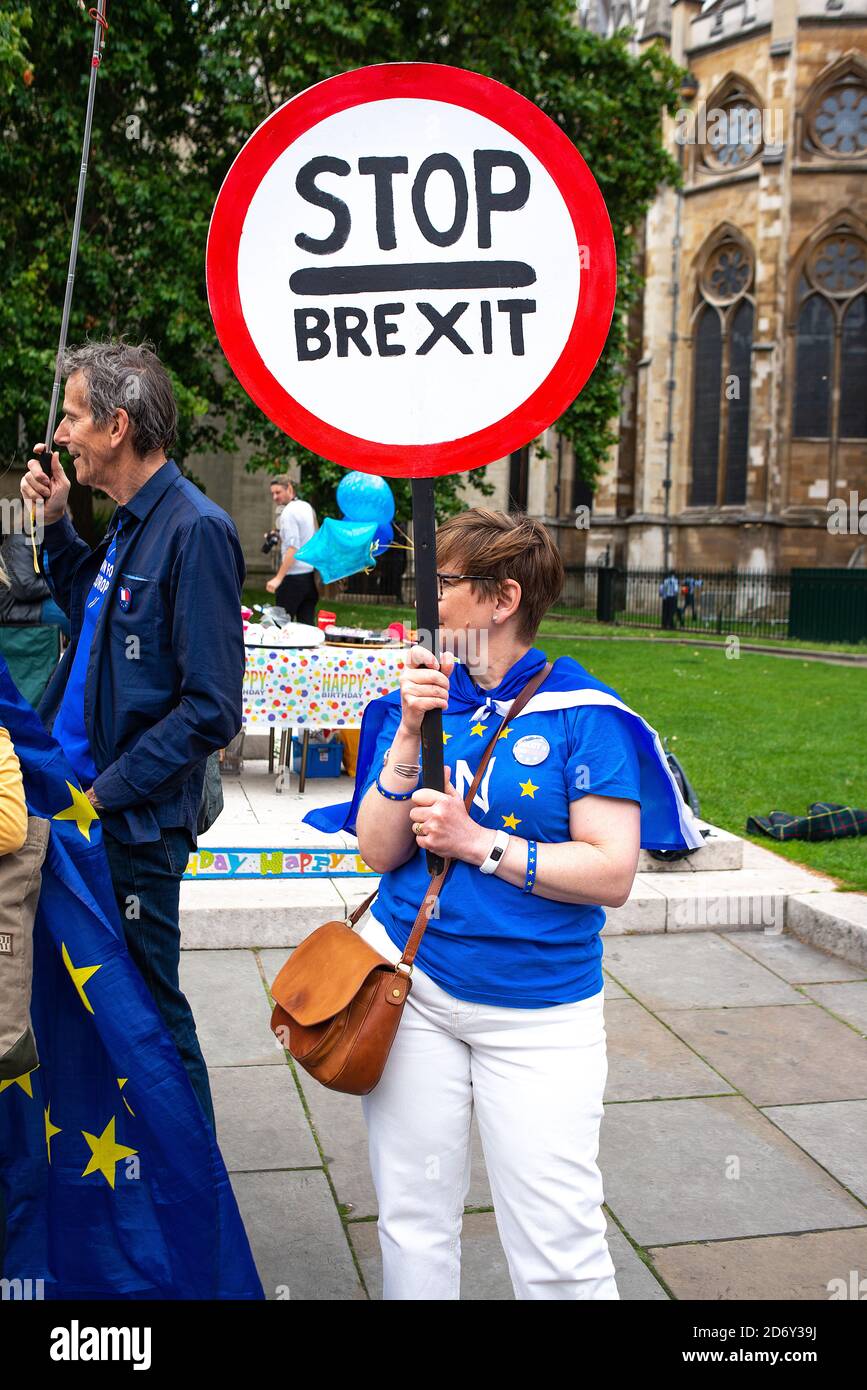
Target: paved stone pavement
(732,1148)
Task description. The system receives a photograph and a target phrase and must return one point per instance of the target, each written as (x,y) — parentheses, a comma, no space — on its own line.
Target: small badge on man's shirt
(531,750)
(124,598)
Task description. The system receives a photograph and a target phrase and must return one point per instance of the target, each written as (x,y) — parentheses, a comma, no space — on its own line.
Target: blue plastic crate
(323,759)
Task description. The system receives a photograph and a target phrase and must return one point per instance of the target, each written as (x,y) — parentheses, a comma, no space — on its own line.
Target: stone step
(282,912)
(278,825)
(720,851)
(833,921)
(722,900)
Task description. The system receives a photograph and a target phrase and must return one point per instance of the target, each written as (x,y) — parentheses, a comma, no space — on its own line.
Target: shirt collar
(143,501)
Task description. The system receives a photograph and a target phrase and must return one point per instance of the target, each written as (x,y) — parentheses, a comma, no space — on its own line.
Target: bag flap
(324,973)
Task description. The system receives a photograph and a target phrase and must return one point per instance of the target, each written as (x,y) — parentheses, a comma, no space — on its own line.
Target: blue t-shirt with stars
(488,941)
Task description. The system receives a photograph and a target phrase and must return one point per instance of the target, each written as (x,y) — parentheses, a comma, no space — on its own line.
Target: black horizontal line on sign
(432,275)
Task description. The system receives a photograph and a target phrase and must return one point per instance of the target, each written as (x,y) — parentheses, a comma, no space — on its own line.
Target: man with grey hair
(151,682)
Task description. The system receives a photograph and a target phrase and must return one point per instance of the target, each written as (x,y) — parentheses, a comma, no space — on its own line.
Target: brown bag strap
(438,880)
(436,883)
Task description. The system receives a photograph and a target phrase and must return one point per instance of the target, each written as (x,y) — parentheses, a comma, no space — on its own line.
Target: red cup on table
(325,620)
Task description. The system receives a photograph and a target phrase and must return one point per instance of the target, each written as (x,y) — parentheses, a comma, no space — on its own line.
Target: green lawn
(756,734)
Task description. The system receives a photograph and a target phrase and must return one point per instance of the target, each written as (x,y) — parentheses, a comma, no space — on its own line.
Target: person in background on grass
(668,592)
(294,584)
(505,1015)
(151,682)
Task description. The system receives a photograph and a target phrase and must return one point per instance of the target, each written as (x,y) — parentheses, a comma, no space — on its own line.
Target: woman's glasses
(444,579)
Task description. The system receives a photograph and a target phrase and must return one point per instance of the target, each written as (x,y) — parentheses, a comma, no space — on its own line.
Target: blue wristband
(392,796)
(530,879)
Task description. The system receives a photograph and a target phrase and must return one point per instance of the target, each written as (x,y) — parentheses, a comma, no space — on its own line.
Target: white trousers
(536,1078)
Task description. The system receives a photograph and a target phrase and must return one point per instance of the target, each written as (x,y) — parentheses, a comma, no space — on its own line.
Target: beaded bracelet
(530,879)
(392,796)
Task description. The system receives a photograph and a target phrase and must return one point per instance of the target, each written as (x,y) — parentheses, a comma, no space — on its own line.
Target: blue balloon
(364,497)
(384,537)
(339,548)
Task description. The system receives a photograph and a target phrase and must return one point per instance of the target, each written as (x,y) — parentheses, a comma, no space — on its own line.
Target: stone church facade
(745,406)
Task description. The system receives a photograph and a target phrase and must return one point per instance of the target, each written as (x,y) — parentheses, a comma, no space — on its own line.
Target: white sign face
(411,269)
(374,346)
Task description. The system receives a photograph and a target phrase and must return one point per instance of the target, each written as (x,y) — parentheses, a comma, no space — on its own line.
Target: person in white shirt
(294,584)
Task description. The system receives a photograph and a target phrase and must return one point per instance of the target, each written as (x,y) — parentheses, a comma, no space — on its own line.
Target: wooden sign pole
(427,621)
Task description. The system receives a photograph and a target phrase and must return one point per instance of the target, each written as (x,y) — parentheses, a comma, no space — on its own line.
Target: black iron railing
(745,603)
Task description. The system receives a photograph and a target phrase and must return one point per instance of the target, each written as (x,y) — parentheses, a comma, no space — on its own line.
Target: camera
(272,539)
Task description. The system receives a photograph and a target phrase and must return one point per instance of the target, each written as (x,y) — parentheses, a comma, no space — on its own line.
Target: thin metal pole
(100,24)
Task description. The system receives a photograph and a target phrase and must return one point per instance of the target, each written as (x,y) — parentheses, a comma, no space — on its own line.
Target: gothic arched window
(836,123)
(721,368)
(830,399)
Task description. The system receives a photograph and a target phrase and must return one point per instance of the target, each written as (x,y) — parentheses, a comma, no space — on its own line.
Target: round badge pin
(531,750)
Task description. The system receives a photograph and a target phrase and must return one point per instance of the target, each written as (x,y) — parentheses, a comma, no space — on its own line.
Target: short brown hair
(282,480)
(505,545)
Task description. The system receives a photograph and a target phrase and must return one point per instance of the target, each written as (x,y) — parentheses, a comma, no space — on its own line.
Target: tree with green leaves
(182,85)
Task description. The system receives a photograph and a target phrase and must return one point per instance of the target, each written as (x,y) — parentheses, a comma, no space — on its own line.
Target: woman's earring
(494,618)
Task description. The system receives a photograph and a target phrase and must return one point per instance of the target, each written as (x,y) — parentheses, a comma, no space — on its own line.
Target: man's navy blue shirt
(166,667)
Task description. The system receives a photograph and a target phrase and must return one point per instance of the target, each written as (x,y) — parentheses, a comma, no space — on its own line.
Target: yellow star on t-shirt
(81,811)
(23,1081)
(478,729)
(50,1129)
(511,821)
(528,789)
(503,732)
(105,1153)
(446,736)
(80,975)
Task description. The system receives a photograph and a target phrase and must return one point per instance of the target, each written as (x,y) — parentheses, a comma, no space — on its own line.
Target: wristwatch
(496,852)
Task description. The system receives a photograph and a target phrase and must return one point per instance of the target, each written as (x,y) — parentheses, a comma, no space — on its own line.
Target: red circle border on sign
(525,122)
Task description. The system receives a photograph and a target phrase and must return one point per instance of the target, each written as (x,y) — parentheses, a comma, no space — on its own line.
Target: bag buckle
(404,967)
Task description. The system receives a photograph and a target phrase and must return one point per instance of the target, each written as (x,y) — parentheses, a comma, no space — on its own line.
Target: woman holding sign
(505,1016)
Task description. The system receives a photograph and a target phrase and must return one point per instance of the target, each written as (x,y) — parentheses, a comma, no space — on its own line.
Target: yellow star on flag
(478,729)
(23,1081)
(510,821)
(121,1081)
(50,1129)
(105,1153)
(446,736)
(503,732)
(528,789)
(81,811)
(80,975)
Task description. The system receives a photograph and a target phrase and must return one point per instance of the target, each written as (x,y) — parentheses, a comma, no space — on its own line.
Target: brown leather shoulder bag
(337,1001)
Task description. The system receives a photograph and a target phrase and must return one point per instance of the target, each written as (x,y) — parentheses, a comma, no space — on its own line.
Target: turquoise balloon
(339,548)
(364,497)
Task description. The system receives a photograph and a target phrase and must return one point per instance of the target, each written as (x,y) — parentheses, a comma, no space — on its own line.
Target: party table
(312,688)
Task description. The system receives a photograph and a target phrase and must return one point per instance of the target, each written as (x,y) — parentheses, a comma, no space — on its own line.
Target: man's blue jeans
(150,874)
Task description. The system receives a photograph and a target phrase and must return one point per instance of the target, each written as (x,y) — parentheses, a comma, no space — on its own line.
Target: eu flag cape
(113,1182)
(666,820)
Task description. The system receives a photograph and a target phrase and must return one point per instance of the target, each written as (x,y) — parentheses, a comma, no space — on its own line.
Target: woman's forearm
(383,827)
(568,871)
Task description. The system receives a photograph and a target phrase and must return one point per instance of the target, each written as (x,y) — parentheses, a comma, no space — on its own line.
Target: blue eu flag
(113,1181)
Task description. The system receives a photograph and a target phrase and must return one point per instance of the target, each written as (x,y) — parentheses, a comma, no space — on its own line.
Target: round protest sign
(411,269)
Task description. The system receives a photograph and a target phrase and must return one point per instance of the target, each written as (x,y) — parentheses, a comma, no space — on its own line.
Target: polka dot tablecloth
(316,687)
